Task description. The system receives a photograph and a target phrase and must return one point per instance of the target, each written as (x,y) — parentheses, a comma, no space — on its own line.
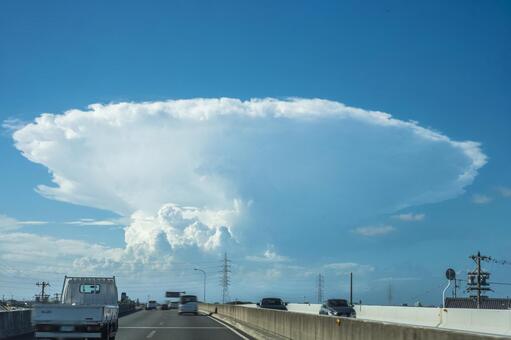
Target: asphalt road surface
(167,324)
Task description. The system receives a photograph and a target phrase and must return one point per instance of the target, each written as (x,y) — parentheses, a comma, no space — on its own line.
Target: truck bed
(63,314)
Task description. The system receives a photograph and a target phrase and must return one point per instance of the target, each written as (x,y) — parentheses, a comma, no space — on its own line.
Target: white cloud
(93,222)
(269,255)
(342,268)
(372,231)
(504,191)
(410,217)
(36,252)
(481,199)
(9,224)
(206,173)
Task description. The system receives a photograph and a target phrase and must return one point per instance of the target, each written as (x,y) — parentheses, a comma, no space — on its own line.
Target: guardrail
(298,326)
(14,323)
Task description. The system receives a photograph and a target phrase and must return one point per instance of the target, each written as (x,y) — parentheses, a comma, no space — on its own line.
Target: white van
(188,304)
(151,305)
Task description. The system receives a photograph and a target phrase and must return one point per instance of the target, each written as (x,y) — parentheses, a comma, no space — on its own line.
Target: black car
(337,307)
(272,303)
(164,306)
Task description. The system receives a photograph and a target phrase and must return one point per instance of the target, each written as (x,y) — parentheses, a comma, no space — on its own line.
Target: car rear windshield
(152,301)
(338,303)
(271,302)
(188,298)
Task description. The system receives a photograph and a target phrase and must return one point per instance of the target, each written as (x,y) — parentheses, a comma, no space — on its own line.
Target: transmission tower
(321,282)
(225,280)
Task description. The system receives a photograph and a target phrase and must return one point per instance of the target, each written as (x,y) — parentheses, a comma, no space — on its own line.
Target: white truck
(88,310)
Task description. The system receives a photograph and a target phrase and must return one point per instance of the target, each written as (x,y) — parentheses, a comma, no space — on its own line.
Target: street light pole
(203,272)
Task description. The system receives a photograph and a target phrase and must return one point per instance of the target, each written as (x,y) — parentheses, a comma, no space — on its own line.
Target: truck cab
(88,309)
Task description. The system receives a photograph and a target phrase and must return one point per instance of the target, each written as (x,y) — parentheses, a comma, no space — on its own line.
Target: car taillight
(46,328)
(93,328)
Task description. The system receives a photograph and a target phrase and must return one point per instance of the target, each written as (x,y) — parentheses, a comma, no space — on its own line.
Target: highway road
(167,324)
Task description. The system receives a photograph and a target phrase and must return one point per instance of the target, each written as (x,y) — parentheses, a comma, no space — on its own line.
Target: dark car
(272,303)
(164,306)
(337,307)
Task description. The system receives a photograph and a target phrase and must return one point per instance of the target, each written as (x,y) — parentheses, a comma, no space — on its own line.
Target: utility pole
(225,280)
(455,287)
(351,289)
(43,286)
(320,287)
(389,293)
(478,279)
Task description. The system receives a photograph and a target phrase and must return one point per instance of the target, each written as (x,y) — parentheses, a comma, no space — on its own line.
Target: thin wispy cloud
(481,199)
(504,191)
(9,223)
(93,222)
(410,217)
(374,231)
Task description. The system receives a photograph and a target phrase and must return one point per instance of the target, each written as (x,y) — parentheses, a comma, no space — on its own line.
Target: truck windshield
(90,289)
(187,298)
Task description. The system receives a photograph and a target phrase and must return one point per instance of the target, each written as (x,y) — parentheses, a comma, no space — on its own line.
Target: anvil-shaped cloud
(202,172)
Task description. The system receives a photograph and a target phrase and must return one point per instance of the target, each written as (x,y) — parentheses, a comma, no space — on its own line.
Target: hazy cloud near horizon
(201,175)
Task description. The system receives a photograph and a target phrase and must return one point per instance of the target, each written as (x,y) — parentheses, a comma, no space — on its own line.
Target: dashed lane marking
(150,335)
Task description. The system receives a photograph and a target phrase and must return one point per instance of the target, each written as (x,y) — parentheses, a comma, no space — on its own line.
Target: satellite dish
(450,274)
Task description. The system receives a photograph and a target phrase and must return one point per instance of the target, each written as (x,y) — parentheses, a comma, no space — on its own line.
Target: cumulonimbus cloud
(222,165)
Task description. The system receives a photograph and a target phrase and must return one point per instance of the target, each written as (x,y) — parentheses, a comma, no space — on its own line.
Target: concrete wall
(298,326)
(14,323)
(482,321)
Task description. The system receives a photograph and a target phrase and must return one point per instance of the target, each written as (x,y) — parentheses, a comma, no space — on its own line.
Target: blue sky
(444,64)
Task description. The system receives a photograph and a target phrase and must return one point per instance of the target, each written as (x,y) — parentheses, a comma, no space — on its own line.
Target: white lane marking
(171,327)
(150,335)
(230,328)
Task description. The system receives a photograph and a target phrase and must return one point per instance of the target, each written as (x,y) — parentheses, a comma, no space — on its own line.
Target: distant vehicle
(88,309)
(151,304)
(174,305)
(337,307)
(272,303)
(164,306)
(188,304)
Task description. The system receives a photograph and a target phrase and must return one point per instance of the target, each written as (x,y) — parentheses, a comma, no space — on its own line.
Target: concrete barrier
(13,323)
(291,325)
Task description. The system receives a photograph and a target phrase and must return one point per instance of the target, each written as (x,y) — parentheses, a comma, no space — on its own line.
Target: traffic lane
(163,325)
(31,336)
